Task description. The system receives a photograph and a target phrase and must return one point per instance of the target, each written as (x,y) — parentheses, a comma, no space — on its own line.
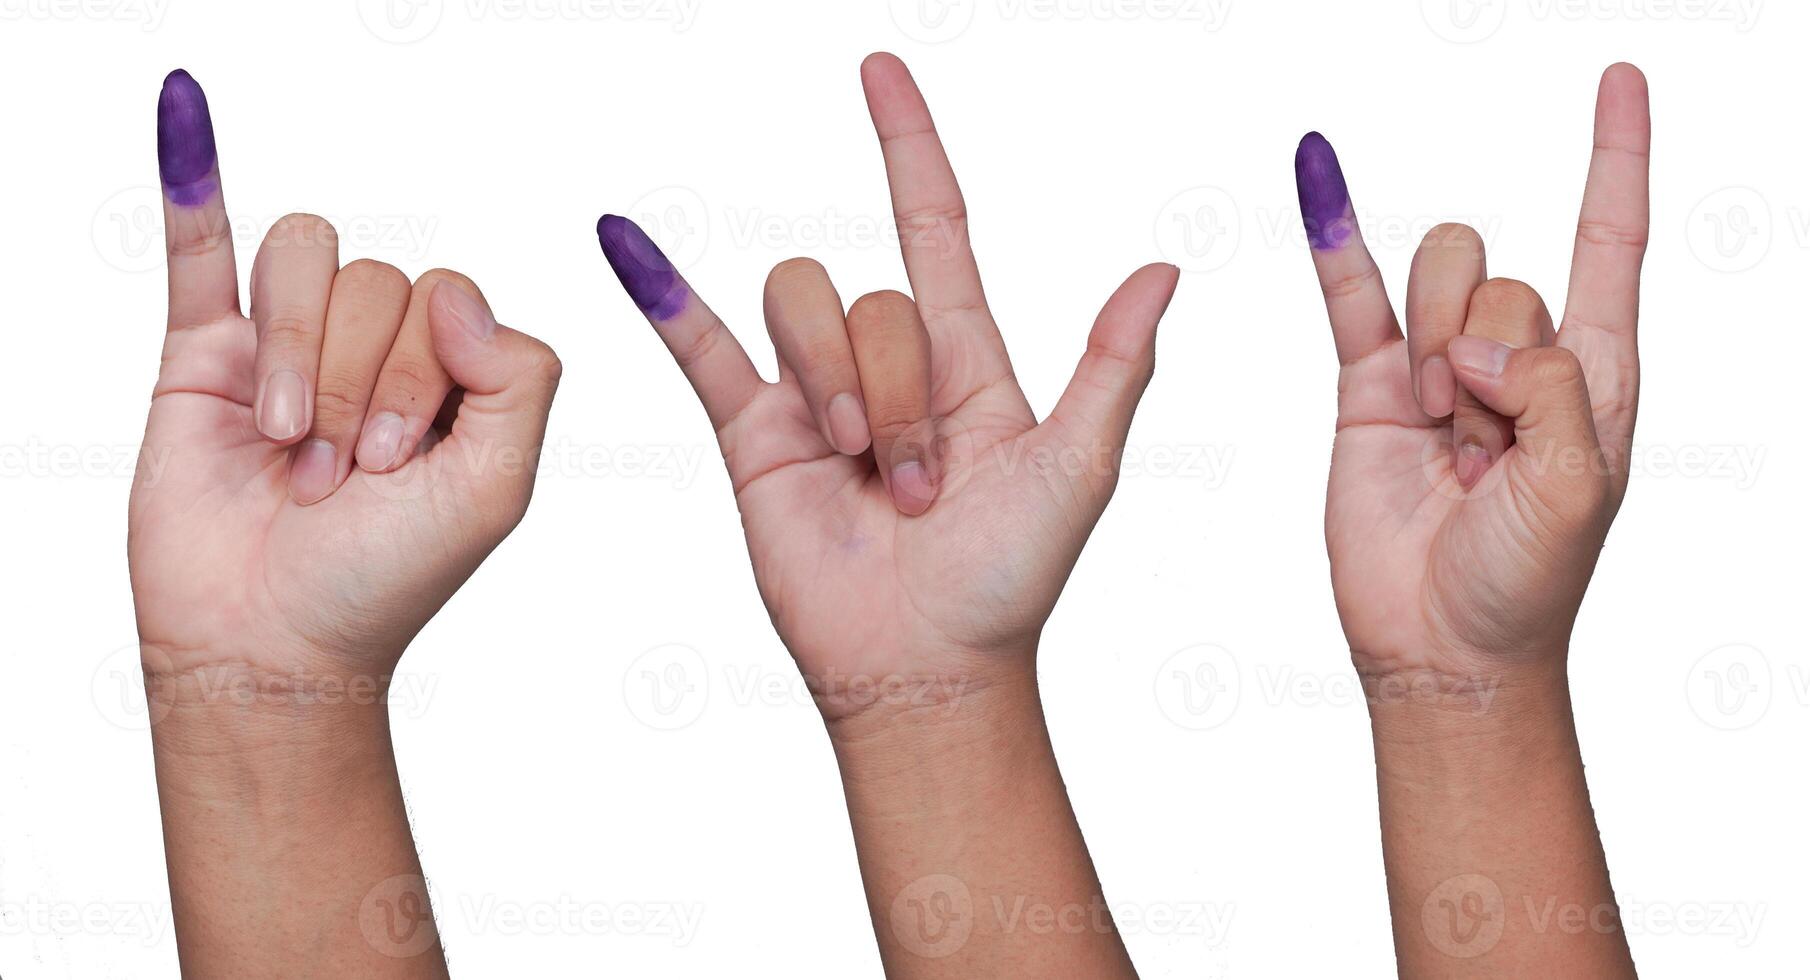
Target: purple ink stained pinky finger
(185,142)
(1324,199)
(646,275)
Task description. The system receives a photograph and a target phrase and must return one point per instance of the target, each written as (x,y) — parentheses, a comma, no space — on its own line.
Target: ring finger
(363,315)
(1511,313)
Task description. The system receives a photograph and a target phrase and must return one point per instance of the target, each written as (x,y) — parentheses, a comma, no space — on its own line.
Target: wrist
(1434,728)
(962,703)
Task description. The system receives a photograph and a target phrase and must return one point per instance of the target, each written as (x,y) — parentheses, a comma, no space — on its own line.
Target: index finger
(1602,304)
(204,282)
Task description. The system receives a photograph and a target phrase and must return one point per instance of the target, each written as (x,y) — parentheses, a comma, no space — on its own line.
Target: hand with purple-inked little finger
(1479,461)
(321,476)
(906,512)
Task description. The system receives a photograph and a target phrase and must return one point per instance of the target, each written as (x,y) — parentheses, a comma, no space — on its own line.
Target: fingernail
(646,275)
(312,473)
(1324,199)
(185,141)
(848,424)
(1438,388)
(1479,355)
(465,308)
(912,491)
(283,411)
(1471,463)
(381,441)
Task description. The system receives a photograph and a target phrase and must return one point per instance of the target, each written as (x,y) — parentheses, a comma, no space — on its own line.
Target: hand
(297,510)
(1479,463)
(908,517)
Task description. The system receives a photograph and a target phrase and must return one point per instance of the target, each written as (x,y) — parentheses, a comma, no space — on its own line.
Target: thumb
(1542,389)
(508,379)
(1096,409)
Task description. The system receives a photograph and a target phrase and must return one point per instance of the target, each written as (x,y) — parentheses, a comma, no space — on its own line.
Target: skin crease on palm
(229,568)
(1431,575)
(861,589)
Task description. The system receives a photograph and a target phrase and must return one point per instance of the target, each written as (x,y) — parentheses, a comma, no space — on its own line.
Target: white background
(1090,137)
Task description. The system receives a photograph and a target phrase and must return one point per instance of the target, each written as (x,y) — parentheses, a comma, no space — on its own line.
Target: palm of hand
(860,592)
(225,563)
(1428,575)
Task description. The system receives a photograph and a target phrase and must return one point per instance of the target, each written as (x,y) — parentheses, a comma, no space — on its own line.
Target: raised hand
(305,513)
(1479,462)
(907,514)
(316,481)
(1477,466)
(911,524)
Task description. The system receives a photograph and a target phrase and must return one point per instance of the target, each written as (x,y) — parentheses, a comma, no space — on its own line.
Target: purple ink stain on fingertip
(1324,198)
(185,141)
(647,276)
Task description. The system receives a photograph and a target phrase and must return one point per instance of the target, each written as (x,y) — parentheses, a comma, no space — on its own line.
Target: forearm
(285,831)
(1494,864)
(972,859)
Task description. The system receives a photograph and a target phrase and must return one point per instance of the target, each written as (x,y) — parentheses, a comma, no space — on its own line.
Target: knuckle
(409,380)
(288,328)
(1612,234)
(546,366)
(337,402)
(1558,366)
(695,348)
(1351,284)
